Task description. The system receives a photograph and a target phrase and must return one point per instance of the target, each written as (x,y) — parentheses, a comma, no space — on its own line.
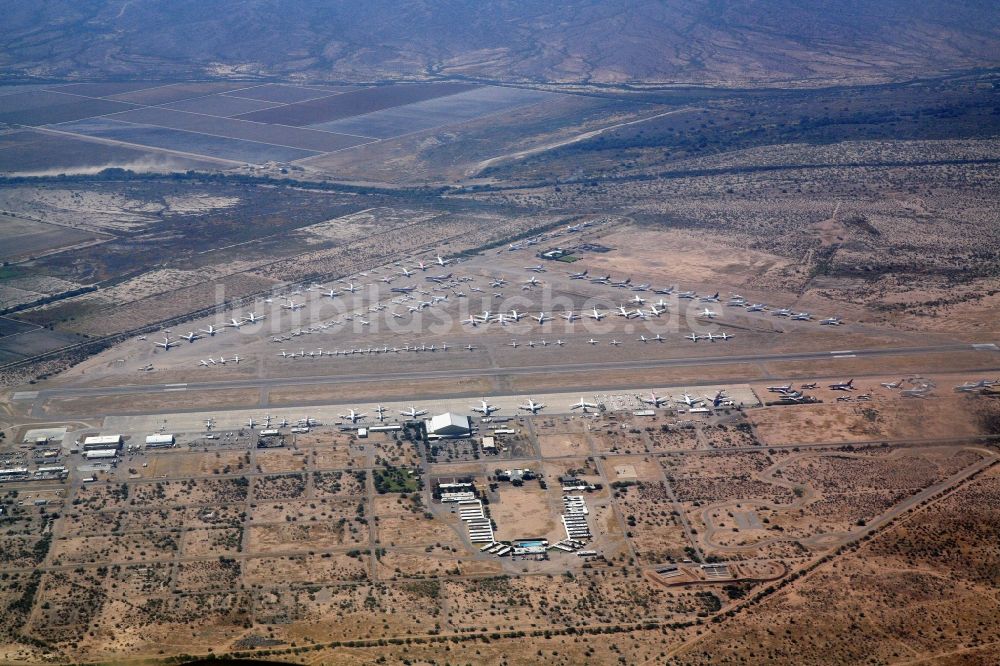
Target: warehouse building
(159,441)
(102,442)
(449,425)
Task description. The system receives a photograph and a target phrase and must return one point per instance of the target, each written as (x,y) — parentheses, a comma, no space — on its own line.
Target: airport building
(102,442)
(449,425)
(159,441)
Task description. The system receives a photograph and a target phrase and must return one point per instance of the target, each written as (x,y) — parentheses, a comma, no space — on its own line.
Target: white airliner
(498,282)
(756,307)
(712,337)
(211,330)
(380,410)
(578,276)
(655,400)
(830,321)
(441,261)
(515,315)
(892,385)
(535,269)
(710,314)
(406,273)
(353,416)
(469,347)
(690,295)
(236,359)
(689,400)
(532,281)
(595,314)
(542,318)
(592,341)
(253,317)
(513,343)
(623,312)
(782,312)
(531,406)
(802,316)
(694,338)
(485,408)
(190,337)
(413,412)
(250,423)
(351,287)
(203,363)
(292,305)
(583,405)
(638,300)
(643,338)
(167,343)
(657,312)
(614,343)
(843,386)
(714,298)
(569,316)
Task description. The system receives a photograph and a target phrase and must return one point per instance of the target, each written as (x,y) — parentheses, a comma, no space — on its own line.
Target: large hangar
(449,424)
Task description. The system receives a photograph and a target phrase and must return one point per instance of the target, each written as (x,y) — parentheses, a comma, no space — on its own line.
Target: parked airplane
(597,315)
(413,412)
(513,343)
(541,318)
(253,318)
(830,321)
(690,295)
(406,273)
(250,423)
(569,316)
(714,298)
(353,416)
(623,284)
(843,386)
(601,280)
(211,330)
(190,337)
(533,281)
(292,305)
(578,276)
(583,405)
(203,363)
(380,411)
(782,312)
(756,307)
(638,300)
(969,387)
(892,385)
(441,262)
(711,337)
(422,266)
(592,341)
(351,287)
(535,269)
(469,347)
(485,408)
(709,314)
(531,406)
(780,389)
(624,312)
(689,400)
(236,359)
(166,344)
(812,385)
(614,343)
(655,400)
(802,316)
(515,315)
(694,338)
(439,278)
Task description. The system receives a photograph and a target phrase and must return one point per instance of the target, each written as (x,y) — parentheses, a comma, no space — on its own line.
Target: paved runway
(592,367)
